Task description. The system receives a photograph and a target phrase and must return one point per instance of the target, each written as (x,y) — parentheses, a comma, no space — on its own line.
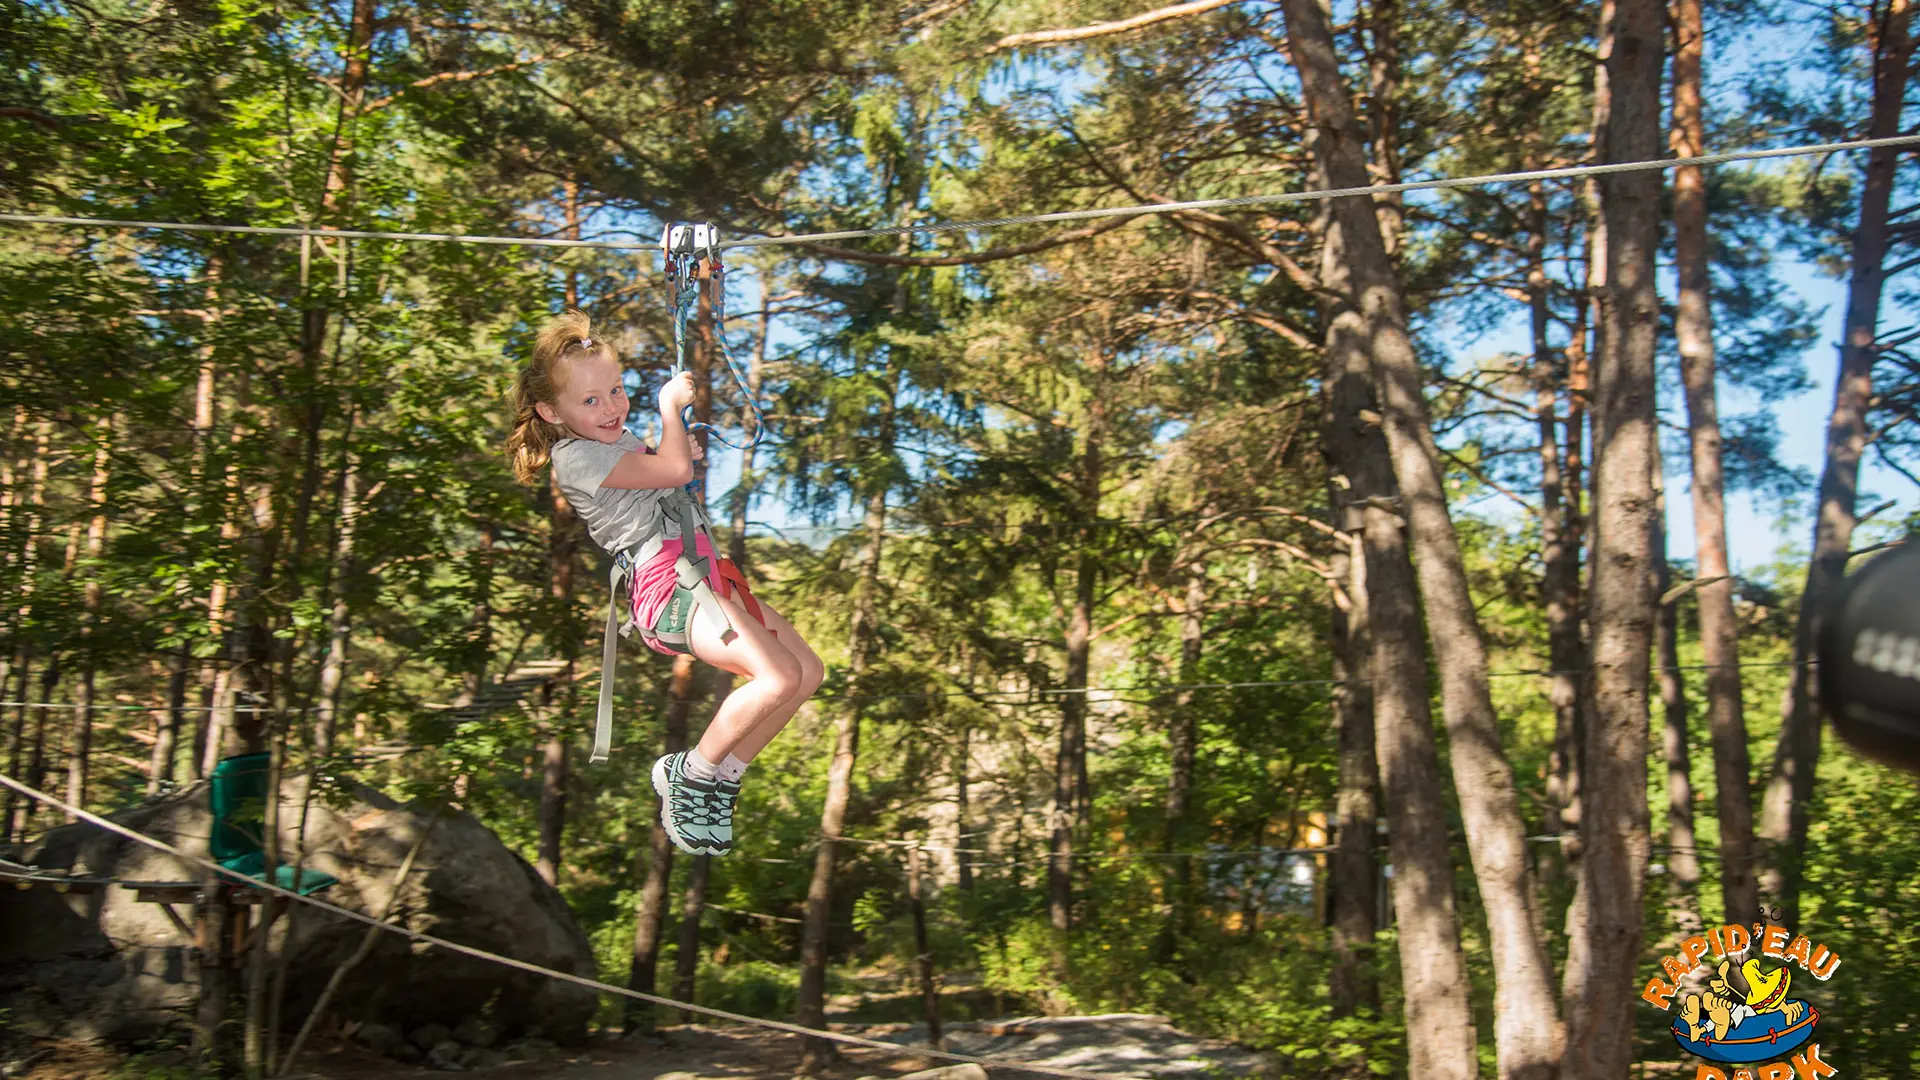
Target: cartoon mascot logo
(1742,1016)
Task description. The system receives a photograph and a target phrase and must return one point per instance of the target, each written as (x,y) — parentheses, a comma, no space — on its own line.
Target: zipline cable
(310,231)
(534,969)
(1271,199)
(1486,180)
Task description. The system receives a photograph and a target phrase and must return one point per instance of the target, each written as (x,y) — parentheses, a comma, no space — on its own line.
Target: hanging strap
(609,658)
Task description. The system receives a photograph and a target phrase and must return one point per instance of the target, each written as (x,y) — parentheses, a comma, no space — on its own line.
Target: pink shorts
(653,584)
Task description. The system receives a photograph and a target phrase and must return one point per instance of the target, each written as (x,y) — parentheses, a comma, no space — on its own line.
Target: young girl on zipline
(570,410)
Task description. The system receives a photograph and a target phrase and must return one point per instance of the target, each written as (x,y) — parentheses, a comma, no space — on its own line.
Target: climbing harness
(694,578)
(692,255)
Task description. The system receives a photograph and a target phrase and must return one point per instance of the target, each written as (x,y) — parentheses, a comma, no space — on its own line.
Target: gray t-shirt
(618,519)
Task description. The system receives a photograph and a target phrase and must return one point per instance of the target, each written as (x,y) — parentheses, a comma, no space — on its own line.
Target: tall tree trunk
(1071,797)
(1355,871)
(1383,114)
(553,805)
(1559,521)
(23,622)
(11,499)
(1683,860)
(91,595)
(1790,789)
(166,735)
(1614,816)
(225,620)
(1525,1020)
(1433,968)
(686,960)
(39,757)
(563,540)
(11,828)
(333,670)
(207,726)
(962,768)
(1182,736)
(1719,629)
(812,1005)
(922,952)
(652,911)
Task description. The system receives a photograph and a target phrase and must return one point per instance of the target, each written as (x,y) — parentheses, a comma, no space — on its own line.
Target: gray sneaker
(688,806)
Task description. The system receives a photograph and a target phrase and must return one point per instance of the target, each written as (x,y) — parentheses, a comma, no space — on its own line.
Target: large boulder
(101,965)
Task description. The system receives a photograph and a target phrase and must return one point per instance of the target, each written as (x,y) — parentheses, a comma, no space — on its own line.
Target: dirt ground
(682,1053)
(677,1053)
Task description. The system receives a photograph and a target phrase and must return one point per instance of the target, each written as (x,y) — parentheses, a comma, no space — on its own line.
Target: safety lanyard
(692,252)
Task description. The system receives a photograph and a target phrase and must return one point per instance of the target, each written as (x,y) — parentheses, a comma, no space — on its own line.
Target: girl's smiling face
(592,400)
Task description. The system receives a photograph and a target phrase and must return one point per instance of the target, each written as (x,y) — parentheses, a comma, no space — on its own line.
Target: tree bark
(333,670)
(207,727)
(1614,816)
(91,596)
(1355,870)
(10,825)
(1071,795)
(12,829)
(37,762)
(812,1004)
(1525,1020)
(1790,788)
(1182,737)
(652,911)
(553,806)
(223,617)
(1383,114)
(166,734)
(1433,969)
(1719,629)
(962,768)
(922,951)
(686,960)
(1559,523)
(1682,859)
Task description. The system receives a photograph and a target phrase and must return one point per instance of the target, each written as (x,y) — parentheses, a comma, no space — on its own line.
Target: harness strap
(691,573)
(693,522)
(609,657)
(734,582)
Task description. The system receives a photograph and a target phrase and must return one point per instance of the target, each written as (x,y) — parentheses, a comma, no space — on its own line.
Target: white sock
(700,768)
(732,769)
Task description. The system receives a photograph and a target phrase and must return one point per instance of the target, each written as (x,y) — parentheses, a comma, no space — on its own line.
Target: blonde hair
(568,337)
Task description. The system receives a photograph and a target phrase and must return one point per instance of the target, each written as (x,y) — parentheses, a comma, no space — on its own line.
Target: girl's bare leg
(774,676)
(812,673)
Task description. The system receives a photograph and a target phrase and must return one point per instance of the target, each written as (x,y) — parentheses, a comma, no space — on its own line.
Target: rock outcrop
(102,965)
